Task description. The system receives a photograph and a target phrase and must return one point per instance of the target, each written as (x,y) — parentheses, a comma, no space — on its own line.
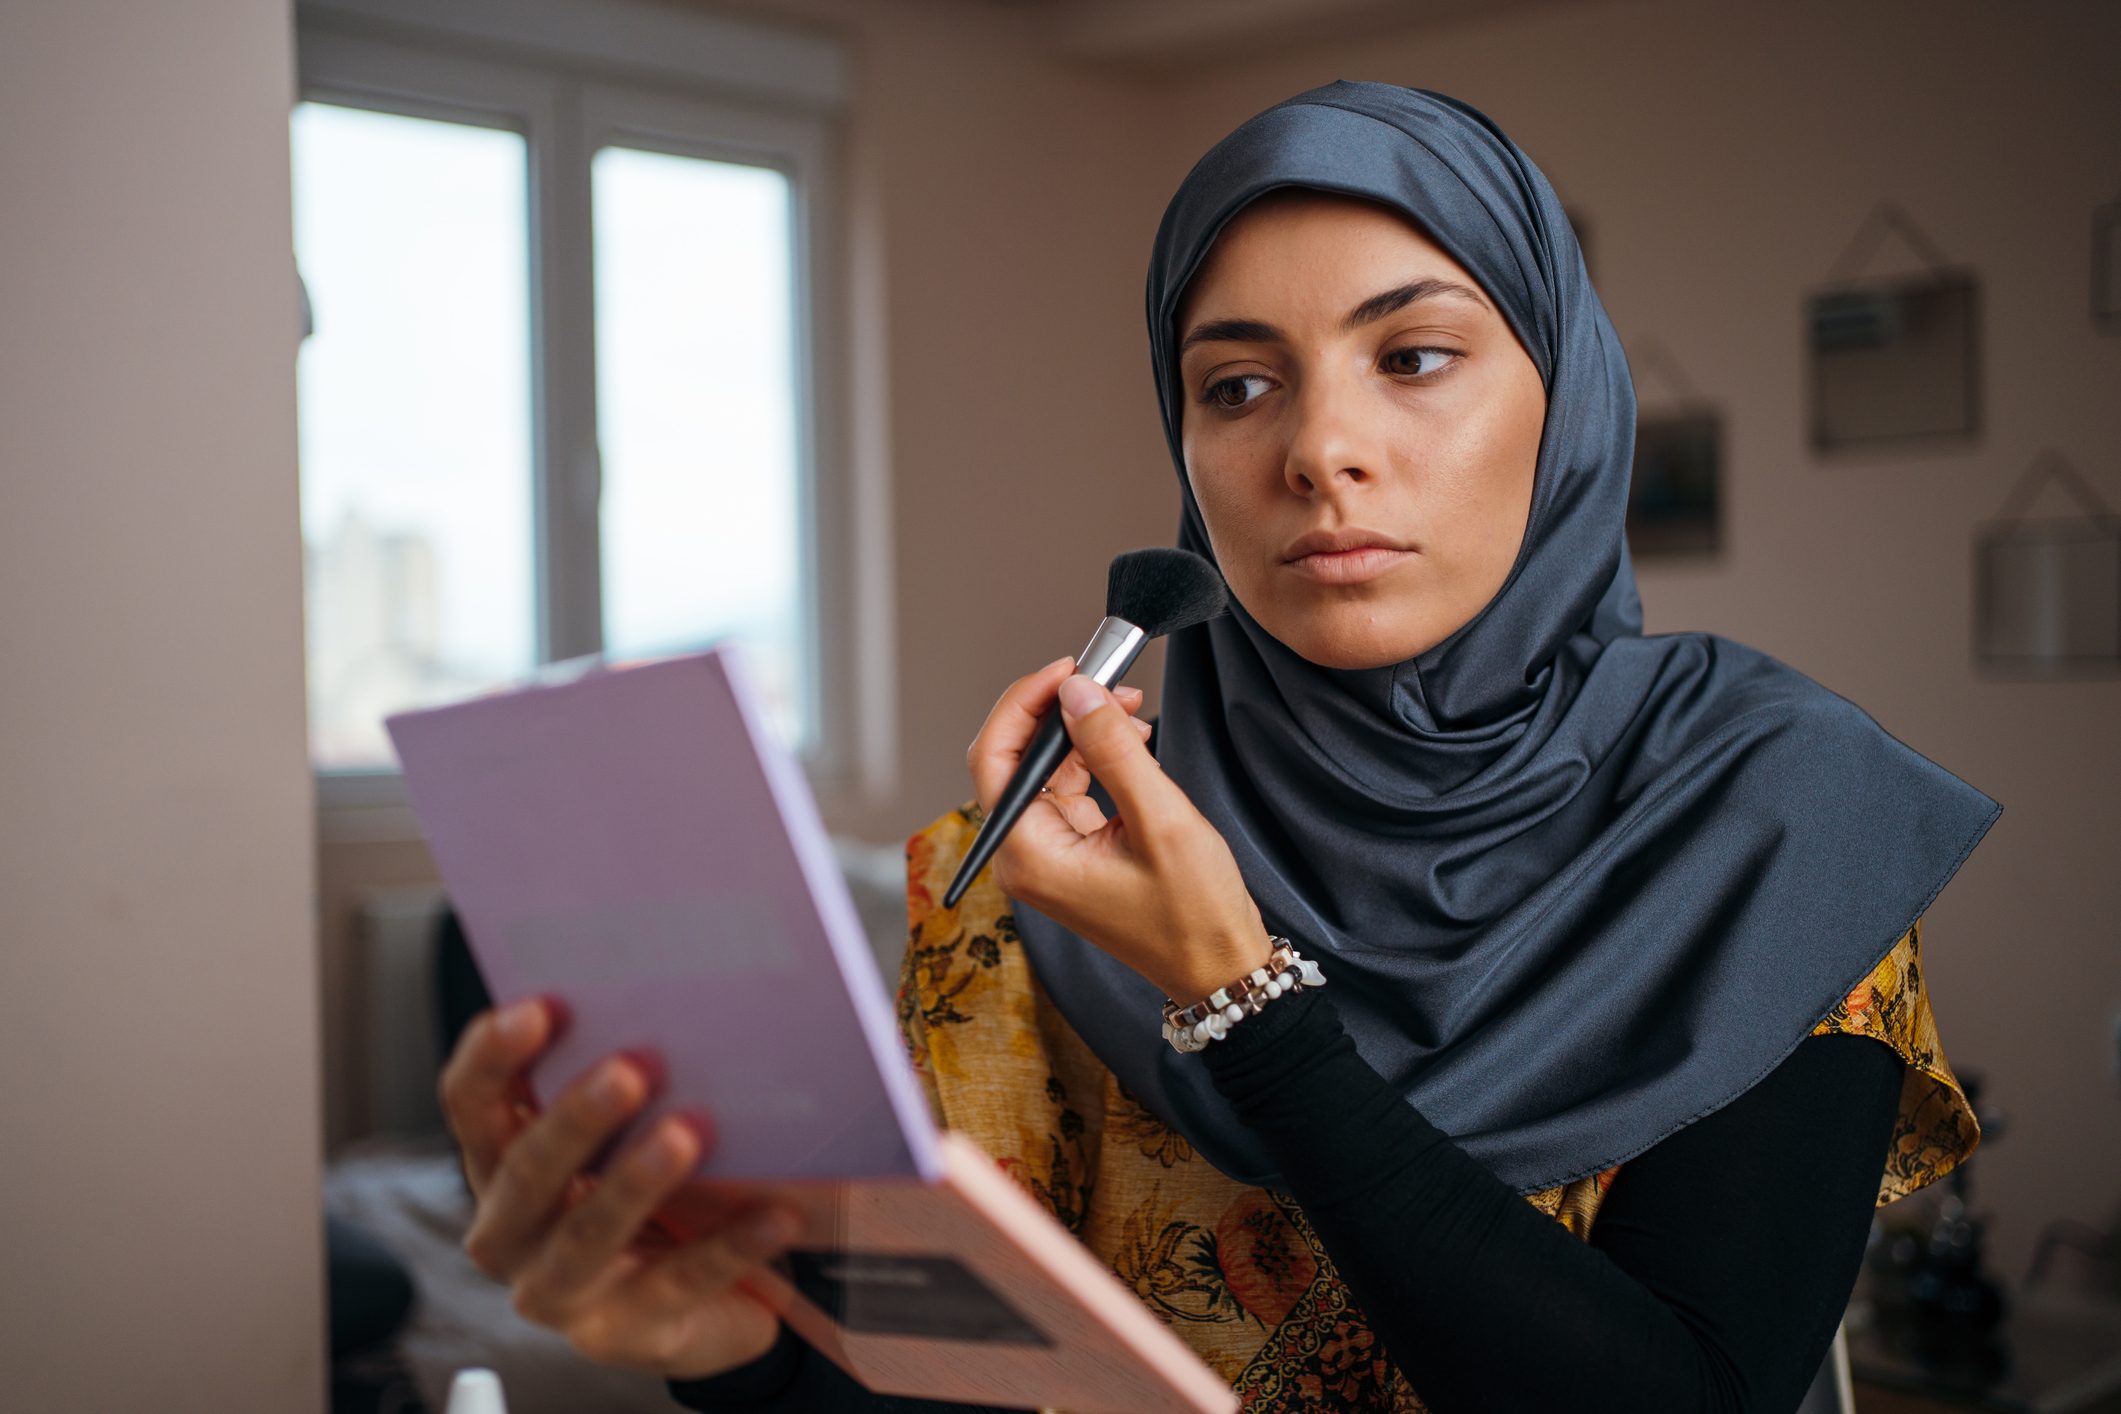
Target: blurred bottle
(476,1391)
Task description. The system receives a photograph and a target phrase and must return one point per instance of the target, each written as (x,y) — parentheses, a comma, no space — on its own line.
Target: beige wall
(1003,205)
(158,1034)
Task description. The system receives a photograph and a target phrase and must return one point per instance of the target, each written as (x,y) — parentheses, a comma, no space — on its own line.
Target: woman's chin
(1358,645)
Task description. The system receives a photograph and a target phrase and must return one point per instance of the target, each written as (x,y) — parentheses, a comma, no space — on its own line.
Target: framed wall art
(1675,495)
(2047,589)
(1893,359)
(2106,267)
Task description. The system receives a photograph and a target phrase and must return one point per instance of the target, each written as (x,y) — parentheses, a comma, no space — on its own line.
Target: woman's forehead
(1298,240)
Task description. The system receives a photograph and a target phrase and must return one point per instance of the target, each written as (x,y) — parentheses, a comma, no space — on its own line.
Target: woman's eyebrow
(1377,306)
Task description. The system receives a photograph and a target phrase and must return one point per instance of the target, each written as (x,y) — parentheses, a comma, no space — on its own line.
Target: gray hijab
(1573,887)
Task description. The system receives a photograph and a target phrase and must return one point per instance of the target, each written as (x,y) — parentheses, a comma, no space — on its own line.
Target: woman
(1624,1032)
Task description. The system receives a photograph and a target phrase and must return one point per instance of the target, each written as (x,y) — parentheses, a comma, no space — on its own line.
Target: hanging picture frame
(1675,492)
(2047,589)
(1895,359)
(2106,267)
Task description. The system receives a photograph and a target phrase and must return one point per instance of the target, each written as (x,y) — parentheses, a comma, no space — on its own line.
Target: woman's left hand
(1155,886)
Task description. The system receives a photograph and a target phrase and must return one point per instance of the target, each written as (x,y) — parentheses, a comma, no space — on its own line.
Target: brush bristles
(1161,590)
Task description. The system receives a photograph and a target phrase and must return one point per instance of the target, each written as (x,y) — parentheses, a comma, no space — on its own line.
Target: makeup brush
(1148,593)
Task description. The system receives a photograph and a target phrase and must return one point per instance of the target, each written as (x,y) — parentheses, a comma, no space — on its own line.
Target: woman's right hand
(578,1250)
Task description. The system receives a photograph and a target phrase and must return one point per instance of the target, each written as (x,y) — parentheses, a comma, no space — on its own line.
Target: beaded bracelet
(1191,1028)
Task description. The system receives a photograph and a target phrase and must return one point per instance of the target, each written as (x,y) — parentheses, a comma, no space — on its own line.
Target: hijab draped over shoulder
(1573,886)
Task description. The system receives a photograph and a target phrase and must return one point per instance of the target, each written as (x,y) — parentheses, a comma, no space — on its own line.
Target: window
(696,410)
(560,393)
(415,415)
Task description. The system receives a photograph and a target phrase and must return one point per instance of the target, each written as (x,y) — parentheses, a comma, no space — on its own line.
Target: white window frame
(571,76)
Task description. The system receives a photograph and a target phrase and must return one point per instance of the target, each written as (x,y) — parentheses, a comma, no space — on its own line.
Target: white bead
(1259,975)
(1217,1027)
(1233,1012)
(1202,1033)
(1273,990)
(1287,979)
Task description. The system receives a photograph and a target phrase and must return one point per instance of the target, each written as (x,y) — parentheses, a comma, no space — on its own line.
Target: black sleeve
(792,1377)
(1718,1267)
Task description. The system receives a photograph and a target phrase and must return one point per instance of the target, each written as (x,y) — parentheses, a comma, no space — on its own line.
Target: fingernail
(612,1087)
(1142,727)
(650,1063)
(1079,695)
(557,1015)
(769,1230)
(701,1125)
(518,1021)
(674,1146)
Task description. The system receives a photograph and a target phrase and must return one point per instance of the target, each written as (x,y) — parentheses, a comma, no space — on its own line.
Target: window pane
(696,416)
(417,523)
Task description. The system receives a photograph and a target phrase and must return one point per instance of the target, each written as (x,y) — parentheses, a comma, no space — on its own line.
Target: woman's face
(1360,428)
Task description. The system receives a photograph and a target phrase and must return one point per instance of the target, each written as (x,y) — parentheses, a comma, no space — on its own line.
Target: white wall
(159,1225)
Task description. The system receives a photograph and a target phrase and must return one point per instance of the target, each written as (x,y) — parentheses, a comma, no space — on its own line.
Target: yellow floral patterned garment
(1236,1271)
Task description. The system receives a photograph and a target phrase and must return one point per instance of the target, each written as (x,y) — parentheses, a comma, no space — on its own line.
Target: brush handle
(1110,652)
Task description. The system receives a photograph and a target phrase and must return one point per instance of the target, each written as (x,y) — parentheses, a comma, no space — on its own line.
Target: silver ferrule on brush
(1111,651)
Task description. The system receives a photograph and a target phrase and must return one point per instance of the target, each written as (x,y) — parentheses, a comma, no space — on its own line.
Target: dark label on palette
(888,1293)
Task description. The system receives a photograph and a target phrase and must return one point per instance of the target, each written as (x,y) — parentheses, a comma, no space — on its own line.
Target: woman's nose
(1333,443)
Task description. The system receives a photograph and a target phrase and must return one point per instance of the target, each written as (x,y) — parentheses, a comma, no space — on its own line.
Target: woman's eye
(1229,393)
(1424,362)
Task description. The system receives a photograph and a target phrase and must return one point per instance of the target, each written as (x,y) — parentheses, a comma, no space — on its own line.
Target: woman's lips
(1347,566)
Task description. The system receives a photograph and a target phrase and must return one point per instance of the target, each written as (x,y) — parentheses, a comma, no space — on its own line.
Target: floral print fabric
(1236,1271)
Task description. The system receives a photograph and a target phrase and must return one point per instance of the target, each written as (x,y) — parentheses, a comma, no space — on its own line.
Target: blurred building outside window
(414,388)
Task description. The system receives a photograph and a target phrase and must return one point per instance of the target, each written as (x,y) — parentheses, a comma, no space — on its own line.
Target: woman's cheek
(1224,517)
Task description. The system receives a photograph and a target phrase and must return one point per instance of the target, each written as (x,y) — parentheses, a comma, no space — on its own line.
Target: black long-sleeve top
(1717,1269)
